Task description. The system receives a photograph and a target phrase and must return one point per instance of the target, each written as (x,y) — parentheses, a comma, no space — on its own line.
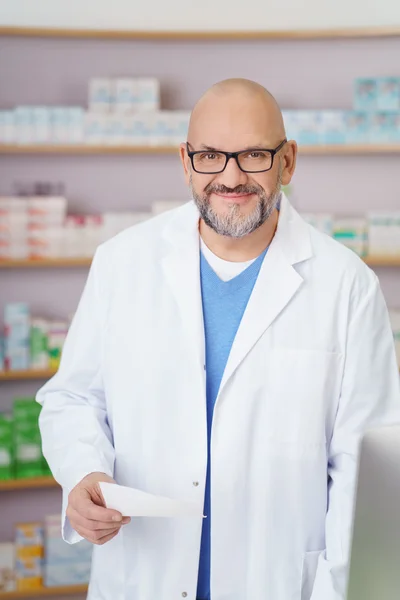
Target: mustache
(212,188)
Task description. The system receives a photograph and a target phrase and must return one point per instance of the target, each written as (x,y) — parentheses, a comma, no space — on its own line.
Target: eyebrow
(255,147)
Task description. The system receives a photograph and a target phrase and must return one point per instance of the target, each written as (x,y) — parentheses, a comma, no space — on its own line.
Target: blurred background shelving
(349,180)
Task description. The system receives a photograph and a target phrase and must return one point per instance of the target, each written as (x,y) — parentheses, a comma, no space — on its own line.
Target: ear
(185,160)
(288,159)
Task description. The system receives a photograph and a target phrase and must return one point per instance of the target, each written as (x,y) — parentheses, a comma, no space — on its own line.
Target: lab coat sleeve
(370,397)
(76,436)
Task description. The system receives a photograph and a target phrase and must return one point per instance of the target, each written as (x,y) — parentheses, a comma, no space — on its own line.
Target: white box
(162,128)
(126,95)
(76,125)
(138,129)
(180,126)
(59,119)
(149,94)
(7,567)
(42,126)
(95,128)
(100,95)
(24,125)
(7,127)
(115,129)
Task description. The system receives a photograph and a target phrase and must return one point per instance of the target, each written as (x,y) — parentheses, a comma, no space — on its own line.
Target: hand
(87,513)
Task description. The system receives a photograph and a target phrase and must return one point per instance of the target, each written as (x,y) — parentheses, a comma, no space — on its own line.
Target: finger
(97,537)
(86,508)
(77,520)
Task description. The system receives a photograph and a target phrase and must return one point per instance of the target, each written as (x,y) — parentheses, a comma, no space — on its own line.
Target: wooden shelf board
(85,149)
(382,261)
(25,484)
(28,374)
(154,35)
(47,263)
(346,149)
(56,591)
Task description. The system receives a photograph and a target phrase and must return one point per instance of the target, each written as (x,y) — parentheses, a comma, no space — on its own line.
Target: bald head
(238,105)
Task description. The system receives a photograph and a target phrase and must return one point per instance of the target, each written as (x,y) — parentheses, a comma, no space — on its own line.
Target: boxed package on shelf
(39,352)
(357,127)
(16,333)
(82,234)
(65,564)
(388,93)
(6,447)
(57,333)
(352,232)
(7,567)
(365,94)
(321,221)
(333,127)
(29,550)
(8,134)
(384,233)
(100,94)
(27,440)
(115,222)
(383,128)
(14,221)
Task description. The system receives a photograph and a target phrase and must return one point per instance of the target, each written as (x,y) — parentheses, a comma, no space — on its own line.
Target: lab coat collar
(277,282)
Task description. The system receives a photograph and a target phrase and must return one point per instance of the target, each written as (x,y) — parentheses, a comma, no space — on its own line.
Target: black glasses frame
(235,155)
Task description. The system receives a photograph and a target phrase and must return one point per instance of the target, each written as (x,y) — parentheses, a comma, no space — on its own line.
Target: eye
(256,154)
(208,156)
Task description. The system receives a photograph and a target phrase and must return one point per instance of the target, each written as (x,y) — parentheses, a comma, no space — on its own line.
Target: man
(232,361)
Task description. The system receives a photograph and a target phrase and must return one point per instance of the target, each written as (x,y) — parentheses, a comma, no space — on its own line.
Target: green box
(26,409)
(27,439)
(6,447)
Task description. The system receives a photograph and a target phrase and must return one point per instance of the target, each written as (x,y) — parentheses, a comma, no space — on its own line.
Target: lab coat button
(184,595)
(195,483)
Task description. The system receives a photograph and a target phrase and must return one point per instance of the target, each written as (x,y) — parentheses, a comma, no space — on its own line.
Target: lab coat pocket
(310,564)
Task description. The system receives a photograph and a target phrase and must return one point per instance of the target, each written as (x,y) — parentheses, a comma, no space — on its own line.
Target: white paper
(131,502)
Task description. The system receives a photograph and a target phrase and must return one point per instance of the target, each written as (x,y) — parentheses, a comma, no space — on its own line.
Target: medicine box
(388,93)
(7,567)
(365,94)
(6,447)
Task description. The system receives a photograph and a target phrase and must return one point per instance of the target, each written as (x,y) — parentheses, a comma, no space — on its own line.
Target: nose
(232,176)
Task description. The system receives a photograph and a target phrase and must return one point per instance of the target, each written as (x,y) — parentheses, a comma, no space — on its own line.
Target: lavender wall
(302,74)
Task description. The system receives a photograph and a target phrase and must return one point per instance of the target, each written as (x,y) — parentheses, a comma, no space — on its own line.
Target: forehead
(232,124)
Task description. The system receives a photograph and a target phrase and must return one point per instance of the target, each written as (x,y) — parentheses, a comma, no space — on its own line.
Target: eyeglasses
(210,162)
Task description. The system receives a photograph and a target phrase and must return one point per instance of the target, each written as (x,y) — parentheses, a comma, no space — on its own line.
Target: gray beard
(233,224)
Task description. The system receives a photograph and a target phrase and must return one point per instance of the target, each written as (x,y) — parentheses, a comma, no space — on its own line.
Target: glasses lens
(255,160)
(209,162)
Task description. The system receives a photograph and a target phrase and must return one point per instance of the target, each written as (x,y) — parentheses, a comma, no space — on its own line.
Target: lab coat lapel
(181,268)
(277,283)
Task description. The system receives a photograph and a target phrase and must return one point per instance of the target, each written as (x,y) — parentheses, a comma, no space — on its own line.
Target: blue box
(309,127)
(333,127)
(383,127)
(357,127)
(366,94)
(388,93)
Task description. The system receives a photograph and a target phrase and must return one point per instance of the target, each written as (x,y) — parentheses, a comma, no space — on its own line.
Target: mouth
(236,198)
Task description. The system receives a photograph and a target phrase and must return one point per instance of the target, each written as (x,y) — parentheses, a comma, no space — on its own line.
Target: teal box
(388,94)
(333,127)
(366,94)
(383,128)
(357,127)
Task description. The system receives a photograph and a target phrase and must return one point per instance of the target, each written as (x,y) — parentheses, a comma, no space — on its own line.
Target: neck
(243,249)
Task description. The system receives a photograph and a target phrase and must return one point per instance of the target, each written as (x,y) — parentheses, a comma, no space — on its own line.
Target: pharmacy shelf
(333,149)
(382,261)
(45,263)
(112,34)
(372,261)
(72,590)
(11,485)
(85,149)
(28,374)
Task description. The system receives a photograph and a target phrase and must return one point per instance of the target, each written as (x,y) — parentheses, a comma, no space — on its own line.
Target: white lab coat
(312,366)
